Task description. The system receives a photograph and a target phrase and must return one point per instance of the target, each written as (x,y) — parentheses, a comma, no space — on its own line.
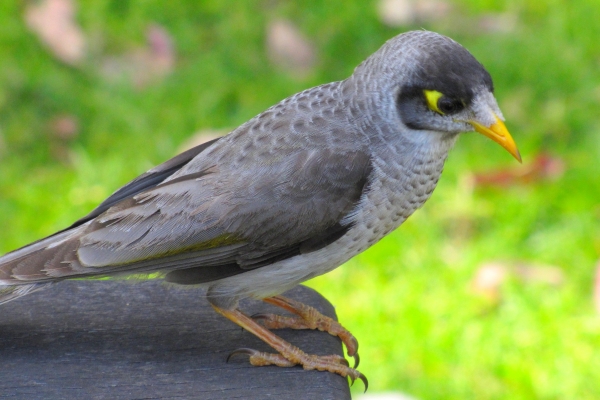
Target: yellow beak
(499,134)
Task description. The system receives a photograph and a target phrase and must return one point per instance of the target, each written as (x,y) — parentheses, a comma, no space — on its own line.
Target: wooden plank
(148,340)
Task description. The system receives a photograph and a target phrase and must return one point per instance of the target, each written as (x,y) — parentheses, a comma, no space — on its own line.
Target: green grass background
(408,300)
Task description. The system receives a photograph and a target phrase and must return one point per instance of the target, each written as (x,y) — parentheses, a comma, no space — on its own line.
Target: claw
(362,378)
(243,350)
(365,381)
(356,360)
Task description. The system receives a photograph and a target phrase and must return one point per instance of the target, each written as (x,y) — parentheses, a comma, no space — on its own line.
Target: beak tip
(499,134)
(518,157)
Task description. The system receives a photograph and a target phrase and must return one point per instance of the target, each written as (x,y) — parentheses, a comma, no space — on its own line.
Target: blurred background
(488,292)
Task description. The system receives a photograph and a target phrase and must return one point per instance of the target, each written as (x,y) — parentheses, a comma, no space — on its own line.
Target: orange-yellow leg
(308,318)
(289,355)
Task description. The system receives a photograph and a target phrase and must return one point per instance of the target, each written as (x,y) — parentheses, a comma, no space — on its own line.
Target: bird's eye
(450,106)
(441,104)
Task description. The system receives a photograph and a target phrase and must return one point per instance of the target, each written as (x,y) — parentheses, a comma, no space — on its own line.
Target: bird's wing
(219,217)
(146,181)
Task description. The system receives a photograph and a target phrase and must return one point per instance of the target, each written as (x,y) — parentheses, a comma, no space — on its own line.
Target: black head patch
(449,68)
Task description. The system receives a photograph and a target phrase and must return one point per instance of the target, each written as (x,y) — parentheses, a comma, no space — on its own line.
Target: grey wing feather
(145,181)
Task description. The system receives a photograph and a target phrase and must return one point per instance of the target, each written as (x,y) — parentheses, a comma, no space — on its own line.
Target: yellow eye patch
(432,97)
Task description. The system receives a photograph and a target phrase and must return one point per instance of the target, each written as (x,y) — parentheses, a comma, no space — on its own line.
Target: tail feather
(37,262)
(26,270)
(8,293)
(47,242)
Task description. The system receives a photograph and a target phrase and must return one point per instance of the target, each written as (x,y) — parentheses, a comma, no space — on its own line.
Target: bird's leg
(289,355)
(307,318)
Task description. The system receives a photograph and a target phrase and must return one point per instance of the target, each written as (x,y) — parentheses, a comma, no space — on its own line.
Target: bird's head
(437,86)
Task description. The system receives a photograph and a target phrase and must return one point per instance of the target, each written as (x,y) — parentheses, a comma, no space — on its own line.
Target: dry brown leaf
(543,167)
(537,273)
(161,54)
(490,277)
(64,127)
(289,49)
(61,130)
(488,280)
(432,10)
(145,64)
(54,23)
(498,23)
(396,13)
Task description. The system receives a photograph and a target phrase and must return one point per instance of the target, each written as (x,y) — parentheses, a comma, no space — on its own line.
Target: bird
(289,195)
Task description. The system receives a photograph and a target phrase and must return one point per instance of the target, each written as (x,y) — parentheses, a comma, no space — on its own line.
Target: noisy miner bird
(289,195)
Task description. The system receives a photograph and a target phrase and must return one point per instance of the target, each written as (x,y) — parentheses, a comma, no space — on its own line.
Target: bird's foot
(332,363)
(289,355)
(307,318)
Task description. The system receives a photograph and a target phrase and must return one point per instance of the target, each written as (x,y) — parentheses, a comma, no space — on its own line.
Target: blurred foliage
(409,300)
